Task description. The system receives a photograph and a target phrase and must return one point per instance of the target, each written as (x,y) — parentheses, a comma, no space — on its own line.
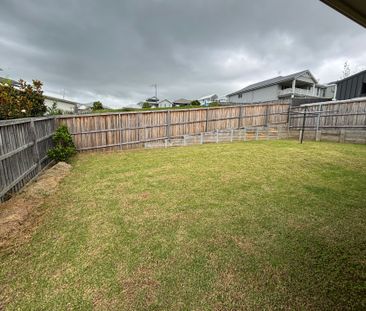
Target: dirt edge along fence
(23,151)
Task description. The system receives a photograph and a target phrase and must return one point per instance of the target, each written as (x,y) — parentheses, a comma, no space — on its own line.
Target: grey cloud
(114,50)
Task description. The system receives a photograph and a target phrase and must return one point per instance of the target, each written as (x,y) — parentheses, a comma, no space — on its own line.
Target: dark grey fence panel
(23,151)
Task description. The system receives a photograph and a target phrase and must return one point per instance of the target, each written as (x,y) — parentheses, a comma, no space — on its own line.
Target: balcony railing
(298,91)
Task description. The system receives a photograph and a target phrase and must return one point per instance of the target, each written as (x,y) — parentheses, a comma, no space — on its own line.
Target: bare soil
(18,216)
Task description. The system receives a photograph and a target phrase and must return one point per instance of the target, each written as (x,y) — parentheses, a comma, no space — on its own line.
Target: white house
(297,85)
(206,100)
(165,103)
(66,106)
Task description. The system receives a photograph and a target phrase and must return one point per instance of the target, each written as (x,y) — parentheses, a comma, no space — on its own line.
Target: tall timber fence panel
(112,131)
(23,151)
(340,121)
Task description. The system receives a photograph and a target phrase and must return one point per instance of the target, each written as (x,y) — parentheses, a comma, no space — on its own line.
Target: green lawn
(241,226)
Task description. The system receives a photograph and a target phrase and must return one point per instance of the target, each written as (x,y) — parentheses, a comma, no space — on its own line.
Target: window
(240,95)
(363,89)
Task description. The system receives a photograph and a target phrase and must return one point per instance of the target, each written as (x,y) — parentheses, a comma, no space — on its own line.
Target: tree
(97,106)
(25,100)
(346,70)
(195,103)
(146,105)
(53,111)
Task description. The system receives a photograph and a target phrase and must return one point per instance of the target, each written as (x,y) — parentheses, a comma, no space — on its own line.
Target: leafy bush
(25,100)
(146,105)
(64,146)
(97,106)
(214,104)
(195,103)
(53,111)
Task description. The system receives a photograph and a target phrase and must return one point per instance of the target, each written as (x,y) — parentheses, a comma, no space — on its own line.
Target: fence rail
(219,136)
(23,151)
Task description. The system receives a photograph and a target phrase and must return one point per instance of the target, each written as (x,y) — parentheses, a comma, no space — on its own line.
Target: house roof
(165,100)
(272,81)
(349,77)
(182,101)
(208,97)
(152,99)
(62,100)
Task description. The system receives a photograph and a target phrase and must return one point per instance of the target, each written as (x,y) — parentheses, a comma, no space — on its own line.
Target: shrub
(195,103)
(53,111)
(214,104)
(25,100)
(146,105)
(64,147)
(97,106)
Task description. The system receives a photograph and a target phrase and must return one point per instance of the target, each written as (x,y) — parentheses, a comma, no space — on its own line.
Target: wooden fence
(23,151)
(342,121)
(24,142)
(134,129)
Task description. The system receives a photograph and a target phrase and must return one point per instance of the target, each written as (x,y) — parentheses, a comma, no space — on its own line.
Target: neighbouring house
(352,86)
(223,100)
(165,103)
(85,108)
(66,106)
(152,100)
(206,100)
(182,102)
(297,85)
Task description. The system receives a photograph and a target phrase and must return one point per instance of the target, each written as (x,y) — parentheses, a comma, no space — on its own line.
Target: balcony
(298,92)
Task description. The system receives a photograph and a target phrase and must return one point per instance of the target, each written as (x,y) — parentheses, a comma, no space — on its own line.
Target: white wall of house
(165,104)
(64,106)
(260,95)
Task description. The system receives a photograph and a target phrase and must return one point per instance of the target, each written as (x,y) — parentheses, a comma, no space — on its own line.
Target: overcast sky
(114,51)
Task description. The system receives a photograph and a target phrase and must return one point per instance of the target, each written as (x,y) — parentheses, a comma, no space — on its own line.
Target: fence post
(289,115)
(166,143)
(245,134)
(231,135)
(201,138)
(256,134)
(317,138)
(303,126)
(240,116)
(168,122)
(35,152)
(184,140)
(266,116)
(217,136)
(206,125)
(342,136)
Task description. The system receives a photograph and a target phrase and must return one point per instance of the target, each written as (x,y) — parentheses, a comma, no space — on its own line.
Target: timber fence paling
(23,151)
(110,131)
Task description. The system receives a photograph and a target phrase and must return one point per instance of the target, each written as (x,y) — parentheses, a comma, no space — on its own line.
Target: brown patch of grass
(19,216)
(140,287)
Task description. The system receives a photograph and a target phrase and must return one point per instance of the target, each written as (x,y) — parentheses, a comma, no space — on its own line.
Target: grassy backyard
(241,226)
